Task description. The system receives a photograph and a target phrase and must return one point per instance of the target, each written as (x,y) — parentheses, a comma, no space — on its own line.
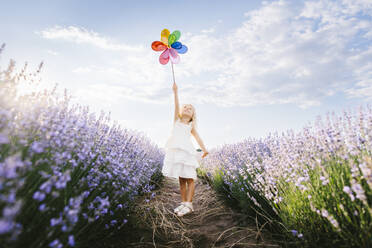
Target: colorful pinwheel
(170,46)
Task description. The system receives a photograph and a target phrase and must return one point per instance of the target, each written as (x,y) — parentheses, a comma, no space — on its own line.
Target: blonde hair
(193,118)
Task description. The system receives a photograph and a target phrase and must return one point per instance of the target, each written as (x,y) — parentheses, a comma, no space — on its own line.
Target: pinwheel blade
(176,45)
(158,46)
(164,36)
(177,34)
(171,39)
(164,57)
(174,57)
(182,50)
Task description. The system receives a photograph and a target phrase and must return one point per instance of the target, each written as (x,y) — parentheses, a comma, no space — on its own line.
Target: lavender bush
(67,178)
(314,185)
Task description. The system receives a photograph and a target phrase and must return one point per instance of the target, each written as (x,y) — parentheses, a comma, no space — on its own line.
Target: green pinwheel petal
(177,34)
(171,39)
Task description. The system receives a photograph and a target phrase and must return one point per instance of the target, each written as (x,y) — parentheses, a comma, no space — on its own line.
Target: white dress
(180,155)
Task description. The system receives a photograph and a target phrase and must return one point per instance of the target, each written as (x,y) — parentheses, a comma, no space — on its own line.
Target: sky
(252,68)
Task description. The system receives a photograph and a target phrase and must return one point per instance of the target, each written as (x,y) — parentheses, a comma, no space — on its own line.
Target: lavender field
(313,187)
(67,178)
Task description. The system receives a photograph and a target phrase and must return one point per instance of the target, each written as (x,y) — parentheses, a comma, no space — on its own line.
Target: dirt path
(212,224)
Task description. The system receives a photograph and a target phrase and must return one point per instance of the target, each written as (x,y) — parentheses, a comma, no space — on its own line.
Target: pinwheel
(170,46)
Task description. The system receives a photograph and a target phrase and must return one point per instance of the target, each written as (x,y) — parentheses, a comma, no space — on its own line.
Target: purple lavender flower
(55,244)
(39,196)
(55,221)
(6,226)
(3,138)
(37,147)
(294,232)
(42,207)
(71,240)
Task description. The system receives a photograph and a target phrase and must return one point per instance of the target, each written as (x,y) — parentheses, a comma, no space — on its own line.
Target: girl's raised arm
(176,103)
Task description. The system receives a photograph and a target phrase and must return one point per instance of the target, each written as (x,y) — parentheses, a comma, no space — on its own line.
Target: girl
(180,159)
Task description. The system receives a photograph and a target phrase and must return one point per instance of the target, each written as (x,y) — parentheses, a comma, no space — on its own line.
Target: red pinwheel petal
(175,58)
(165,54)
(163,61)
(164,57)
(158,46)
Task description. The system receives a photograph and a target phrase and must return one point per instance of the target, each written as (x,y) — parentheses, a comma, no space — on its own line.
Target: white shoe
(177,209)
(187,209)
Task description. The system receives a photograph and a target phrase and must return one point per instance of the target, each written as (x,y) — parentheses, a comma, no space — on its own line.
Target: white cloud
(83,69)
(109,95)
(209,30)
(133,72)
(364,92)
(285,53)
(54,53)
(281,54)
(81,35)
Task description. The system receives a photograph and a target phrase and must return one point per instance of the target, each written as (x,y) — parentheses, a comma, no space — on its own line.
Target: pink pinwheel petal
(175,60)
(163,61)
(164,57)
(174,57)
(173,52)
(165,54)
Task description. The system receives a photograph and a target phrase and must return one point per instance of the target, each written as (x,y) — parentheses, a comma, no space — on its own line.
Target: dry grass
(212,224)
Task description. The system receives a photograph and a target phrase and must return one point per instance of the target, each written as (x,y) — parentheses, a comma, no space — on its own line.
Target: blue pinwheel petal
(182,50)
(176,45)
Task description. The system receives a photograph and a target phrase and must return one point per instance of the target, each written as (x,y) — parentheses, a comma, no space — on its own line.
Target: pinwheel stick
(174,80)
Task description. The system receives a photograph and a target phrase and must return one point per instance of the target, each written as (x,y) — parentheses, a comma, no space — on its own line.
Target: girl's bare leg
(191,189)
(183,189)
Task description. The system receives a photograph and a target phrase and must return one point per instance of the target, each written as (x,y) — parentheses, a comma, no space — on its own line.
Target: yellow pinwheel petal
(164,36)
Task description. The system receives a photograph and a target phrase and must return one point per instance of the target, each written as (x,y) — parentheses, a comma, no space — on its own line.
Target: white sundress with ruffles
(180,155)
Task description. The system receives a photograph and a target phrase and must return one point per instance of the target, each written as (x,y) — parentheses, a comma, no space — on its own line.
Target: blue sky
(253,67)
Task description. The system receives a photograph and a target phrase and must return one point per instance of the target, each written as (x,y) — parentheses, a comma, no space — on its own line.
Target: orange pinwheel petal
(158,46)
